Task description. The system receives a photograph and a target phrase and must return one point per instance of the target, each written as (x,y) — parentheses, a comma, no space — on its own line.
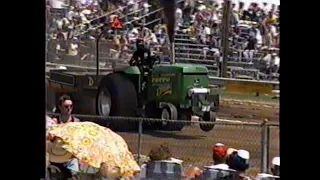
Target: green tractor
(166,91)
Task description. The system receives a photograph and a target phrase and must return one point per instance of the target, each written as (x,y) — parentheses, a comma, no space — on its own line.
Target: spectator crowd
(254,35)
(72,30)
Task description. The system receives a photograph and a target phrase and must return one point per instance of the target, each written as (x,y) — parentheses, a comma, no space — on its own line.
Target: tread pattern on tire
(173,116)
(212,116)
(123,98)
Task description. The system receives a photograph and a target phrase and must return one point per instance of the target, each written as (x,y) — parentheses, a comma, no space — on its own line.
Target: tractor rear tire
(208,117)
(123,100)
(172,114)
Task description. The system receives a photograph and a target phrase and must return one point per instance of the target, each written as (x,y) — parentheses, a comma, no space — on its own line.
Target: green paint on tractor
(171,82)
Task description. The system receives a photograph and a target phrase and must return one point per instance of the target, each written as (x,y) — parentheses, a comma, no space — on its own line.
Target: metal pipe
(139,140)
(97,55)
(225,37)
(173,57)
(264,147)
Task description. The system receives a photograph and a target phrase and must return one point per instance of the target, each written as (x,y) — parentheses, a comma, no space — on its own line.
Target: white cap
(218,145)
(276,161)
(244,154)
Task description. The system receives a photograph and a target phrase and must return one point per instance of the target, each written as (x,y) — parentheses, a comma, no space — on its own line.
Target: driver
(138,57)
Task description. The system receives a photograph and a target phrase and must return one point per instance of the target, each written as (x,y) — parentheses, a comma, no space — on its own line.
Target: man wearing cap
(275,166)
(275,169)
(219,156)
(58,157)
(238,160)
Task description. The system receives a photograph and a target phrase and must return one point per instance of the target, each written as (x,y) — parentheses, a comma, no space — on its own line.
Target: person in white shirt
(258,37)
(219,156)
(265,7)
(145,8)
(178,15)
(275,169)
(70,13)
(275,166)
(73,49)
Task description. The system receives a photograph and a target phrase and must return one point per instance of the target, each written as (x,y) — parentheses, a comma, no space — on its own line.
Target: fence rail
(192,145)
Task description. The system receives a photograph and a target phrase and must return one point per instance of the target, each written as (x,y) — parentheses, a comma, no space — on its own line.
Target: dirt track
(195,147)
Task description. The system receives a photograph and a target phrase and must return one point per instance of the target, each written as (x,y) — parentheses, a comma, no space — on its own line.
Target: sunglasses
(68,106)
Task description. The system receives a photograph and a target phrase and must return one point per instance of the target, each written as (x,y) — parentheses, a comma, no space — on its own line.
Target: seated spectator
(275,166)
(73,47)
(219,169)
(58,157)
(219,156)
(275,170)
(161,165)
(219,165)
(65,108)
(250,48)
(239,161)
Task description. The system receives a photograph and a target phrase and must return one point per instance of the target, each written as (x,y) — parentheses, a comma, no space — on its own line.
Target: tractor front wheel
(170,112)
(208,117)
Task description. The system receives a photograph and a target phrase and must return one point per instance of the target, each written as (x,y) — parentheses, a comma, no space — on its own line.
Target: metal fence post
(264,146)
(268,146)
(139,140)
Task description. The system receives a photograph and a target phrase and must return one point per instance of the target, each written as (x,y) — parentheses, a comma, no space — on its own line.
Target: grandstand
(117,46)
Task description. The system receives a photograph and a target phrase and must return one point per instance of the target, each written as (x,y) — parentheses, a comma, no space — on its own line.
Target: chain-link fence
(194,146)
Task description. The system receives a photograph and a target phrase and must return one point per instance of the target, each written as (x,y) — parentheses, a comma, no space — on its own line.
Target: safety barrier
(242,86)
